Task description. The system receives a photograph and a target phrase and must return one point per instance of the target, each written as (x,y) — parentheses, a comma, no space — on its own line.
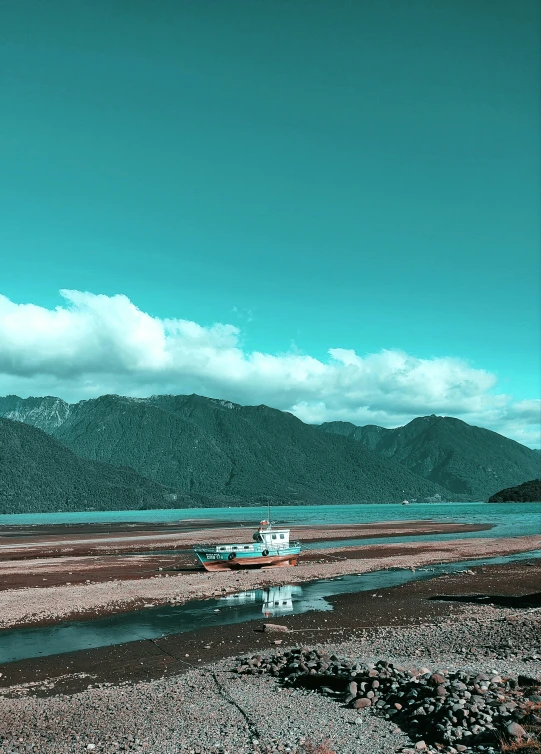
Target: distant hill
(228,453)
(37,473)
(529,492)
(464,459)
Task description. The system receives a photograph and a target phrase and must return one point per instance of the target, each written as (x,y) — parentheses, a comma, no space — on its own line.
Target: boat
(270,548)
(405,502)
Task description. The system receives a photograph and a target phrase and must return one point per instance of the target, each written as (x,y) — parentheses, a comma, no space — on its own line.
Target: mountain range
(464,459)
(202,451)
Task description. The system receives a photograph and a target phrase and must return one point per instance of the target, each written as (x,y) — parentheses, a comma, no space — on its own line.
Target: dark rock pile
(455,712)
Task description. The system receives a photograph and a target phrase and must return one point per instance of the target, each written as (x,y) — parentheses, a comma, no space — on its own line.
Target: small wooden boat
(271,547)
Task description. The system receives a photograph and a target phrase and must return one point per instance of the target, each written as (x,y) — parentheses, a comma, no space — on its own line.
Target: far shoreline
(128,515)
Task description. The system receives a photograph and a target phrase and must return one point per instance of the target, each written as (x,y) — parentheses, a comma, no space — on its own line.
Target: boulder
(362,703)
(515,730)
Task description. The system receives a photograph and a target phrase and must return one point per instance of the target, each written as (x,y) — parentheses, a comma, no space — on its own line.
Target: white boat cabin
(271,538)
(265,538)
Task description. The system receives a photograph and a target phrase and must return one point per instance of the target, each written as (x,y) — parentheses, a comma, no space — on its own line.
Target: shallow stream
(257,604)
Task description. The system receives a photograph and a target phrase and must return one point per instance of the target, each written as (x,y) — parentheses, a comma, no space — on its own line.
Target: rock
(362,703)
(274,628)
(440,708)
(515,730)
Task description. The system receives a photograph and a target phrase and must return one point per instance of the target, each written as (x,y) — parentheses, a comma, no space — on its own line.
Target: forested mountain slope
(529,492)
(201,446)
(39,474)
(467,460)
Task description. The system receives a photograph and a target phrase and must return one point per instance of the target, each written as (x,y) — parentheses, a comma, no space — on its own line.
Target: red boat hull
(271,561)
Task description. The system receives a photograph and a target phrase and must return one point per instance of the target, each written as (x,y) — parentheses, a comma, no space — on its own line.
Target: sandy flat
(87,541)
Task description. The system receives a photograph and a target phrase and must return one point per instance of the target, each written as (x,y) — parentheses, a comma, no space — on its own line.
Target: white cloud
(96,344)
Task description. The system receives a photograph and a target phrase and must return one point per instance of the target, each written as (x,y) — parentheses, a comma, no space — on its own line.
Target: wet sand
(44,560)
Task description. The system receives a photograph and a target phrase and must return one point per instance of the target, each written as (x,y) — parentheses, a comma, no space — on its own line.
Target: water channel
(155,622)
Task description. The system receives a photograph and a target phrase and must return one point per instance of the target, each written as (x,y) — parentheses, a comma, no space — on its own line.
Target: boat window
(235,548)
(246,547)
(281,536)
(284,602)
(221,548)
(277,603)
(274,536)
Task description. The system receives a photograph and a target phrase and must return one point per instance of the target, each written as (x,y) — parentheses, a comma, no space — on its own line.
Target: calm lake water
(508,519)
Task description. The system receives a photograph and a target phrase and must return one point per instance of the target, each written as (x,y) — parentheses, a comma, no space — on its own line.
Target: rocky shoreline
(441,711)
(183,694)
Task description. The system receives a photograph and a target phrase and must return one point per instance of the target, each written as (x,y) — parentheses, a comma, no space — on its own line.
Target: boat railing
(256,545)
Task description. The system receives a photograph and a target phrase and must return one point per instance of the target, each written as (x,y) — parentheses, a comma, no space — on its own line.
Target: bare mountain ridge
(46,413)
(465,459)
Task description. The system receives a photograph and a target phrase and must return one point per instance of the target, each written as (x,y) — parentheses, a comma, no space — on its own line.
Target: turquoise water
(257,604)
(298,514)
(507,519)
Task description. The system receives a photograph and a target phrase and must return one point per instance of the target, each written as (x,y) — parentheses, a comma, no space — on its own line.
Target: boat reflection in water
(276,600)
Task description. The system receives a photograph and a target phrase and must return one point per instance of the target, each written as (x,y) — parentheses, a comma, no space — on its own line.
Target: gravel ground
(129,540)
(209,709)
(50,604)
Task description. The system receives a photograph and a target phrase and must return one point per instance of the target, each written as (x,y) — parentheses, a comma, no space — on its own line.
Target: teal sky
(359,175)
